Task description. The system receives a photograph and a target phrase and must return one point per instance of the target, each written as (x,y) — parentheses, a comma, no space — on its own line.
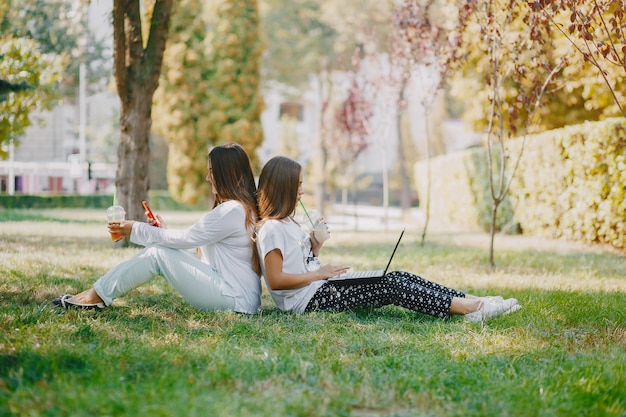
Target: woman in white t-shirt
(296,279)
(226,276)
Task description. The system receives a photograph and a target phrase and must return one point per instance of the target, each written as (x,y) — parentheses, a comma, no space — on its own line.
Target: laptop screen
(394,250)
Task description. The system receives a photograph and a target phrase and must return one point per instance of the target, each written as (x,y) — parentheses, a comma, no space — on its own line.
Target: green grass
(151,354)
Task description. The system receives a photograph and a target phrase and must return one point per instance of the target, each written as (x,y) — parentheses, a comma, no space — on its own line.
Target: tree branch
(119,47)
(157,40)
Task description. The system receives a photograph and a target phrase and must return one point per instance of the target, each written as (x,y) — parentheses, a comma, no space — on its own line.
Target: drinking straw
(114,196)
(306,212)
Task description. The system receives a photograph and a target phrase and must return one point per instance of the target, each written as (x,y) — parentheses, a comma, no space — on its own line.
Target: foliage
(305,38)
(153,354)
(579,91)
(430,34)
(234,76)
(424,46)
(6,88)
(158,201)
(578,193)
(357,24)
(297,42)
(310,44)
(508,60)
(209,90)
(349,130)
(596,31)
(21,63)
(519,77)
(59,28)
(356,110)
(460,192)
(181,103)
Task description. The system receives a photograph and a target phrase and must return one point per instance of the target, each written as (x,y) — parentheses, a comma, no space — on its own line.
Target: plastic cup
(320,228)
(116,213)
(314,221)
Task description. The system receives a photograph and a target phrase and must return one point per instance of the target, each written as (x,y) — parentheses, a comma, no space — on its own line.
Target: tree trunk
(492,231)
(321,150)
(137,69)
(133,156)
(405,182)
(429,180)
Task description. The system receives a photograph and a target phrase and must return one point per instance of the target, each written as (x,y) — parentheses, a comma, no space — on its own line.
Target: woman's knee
(160,251)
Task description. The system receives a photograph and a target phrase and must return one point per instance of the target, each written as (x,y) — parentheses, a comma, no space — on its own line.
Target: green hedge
(571,183)
(580,192)
(160,200)
(460,190)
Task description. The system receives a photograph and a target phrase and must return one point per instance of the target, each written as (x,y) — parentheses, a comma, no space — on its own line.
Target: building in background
(52,159)
(50,156)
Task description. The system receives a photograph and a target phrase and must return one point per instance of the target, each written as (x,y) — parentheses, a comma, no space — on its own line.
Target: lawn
(151,354)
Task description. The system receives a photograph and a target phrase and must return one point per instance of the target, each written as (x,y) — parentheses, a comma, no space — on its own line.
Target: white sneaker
(493,308)
(491,298)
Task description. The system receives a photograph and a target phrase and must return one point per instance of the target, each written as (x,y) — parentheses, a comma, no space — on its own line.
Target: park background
(491,129)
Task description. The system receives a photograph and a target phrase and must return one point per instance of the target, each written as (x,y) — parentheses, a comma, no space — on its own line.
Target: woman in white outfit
(226,276)
(297,280)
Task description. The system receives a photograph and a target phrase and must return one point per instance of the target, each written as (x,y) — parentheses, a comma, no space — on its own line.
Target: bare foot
(465,305)
(89,296)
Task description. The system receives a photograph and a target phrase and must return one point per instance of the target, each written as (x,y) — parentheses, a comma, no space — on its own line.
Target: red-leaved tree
(353,123)
(426,41)
(596,29)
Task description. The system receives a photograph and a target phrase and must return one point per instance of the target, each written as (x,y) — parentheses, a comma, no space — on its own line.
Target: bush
(570,183)
(162,200)
(460,190)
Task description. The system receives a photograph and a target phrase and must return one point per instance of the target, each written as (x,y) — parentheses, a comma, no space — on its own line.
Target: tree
(589,87)
(7,87)
(234,76)
(596,29)
(30,81)
(298,43)
(209,92)
(310,42)
(353,119)
(60,28)
(299,52)
(181,103)
(426,41)
(519,79)
(42,47)
(137,66)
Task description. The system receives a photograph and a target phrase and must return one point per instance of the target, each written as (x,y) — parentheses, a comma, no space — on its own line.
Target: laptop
(364,277)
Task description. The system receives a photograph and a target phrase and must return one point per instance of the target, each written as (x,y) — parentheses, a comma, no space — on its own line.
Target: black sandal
(64,302)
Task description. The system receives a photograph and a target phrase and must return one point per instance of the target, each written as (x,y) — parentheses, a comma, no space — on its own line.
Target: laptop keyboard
(360,274)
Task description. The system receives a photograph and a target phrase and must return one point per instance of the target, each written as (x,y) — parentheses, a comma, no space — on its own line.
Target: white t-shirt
(295,246)
(225,244)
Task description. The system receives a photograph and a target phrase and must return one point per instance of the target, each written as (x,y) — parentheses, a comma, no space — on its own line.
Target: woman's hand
(121,227)
(277,279)
(316,245)
(329,270)
(152,222)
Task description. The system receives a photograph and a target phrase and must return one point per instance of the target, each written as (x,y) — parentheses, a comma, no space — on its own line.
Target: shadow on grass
(158,341)
(27,367)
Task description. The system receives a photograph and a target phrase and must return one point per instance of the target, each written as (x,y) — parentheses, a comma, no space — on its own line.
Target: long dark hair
(233,180)
(278,188)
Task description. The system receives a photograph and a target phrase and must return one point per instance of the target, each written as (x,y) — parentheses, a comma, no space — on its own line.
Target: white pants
(195,280)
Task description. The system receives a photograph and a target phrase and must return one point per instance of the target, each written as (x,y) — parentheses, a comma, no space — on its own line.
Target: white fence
(71,176)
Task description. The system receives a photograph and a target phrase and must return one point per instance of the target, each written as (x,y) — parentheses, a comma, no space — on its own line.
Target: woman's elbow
(273,283)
